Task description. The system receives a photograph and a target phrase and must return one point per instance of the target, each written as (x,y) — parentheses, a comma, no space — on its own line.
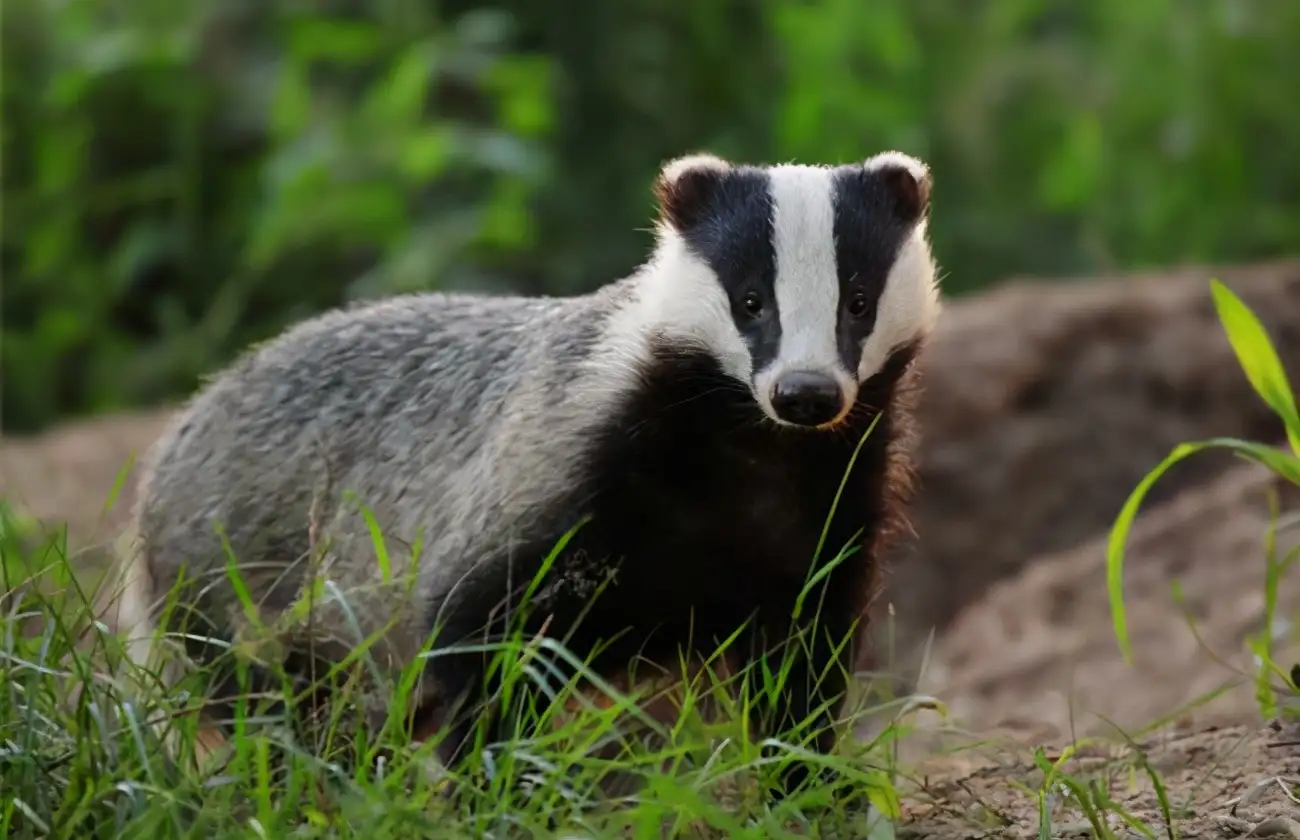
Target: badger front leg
(809,659)
(467,666)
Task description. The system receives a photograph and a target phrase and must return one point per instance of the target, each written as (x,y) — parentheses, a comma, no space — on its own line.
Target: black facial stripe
(868,236)
(735,239)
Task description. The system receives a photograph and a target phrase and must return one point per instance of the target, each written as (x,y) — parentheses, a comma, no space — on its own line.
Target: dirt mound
(1045,404)
(1039,650)
(69,474)
(1233,782)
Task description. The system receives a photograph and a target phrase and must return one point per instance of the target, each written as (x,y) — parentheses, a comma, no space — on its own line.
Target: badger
(682,439)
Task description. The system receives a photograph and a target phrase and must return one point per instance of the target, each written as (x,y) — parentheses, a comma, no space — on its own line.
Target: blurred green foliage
(183,178)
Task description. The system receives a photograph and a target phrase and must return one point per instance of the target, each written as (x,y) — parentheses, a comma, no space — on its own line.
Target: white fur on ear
(675,168)
(908,177)
(685,188)
(915,166)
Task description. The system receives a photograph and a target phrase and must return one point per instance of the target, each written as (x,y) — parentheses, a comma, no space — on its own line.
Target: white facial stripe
(908,307)
(807,279)
(680,295)
(807,285)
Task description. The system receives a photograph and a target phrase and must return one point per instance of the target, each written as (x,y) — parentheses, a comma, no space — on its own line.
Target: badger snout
(807,398)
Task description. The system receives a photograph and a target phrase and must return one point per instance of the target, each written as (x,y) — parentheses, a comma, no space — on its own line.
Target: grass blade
(1282,463)
(1257,357)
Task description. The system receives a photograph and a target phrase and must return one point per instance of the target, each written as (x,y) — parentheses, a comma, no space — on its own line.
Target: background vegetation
(182,178)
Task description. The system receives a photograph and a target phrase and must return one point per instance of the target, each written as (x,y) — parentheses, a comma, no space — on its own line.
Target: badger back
(400,405)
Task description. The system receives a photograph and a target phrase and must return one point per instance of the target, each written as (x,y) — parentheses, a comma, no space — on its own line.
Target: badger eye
(858,305)
(753,303)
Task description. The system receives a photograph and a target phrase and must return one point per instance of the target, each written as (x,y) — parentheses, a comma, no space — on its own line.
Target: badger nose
(806,398)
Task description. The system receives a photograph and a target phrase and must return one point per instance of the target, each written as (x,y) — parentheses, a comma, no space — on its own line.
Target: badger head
(801,281)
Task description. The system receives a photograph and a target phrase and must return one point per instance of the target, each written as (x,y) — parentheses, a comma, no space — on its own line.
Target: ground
(1220,782)
(1025,653)
(1038,650)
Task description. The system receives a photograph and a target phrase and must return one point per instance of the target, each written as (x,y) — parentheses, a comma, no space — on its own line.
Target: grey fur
(418,405)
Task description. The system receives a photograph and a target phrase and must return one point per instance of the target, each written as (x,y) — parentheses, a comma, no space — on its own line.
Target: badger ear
(907,180)
(686,186)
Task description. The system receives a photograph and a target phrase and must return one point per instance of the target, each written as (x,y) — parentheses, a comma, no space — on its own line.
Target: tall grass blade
(1282,463)
(1257,358)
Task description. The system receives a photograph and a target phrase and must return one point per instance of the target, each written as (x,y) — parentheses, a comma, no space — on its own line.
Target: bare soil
(1039,649)
(69,474)
(1044,406)
(1229,782)
(1046,403)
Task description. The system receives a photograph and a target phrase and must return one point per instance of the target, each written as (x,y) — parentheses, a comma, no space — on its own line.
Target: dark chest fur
(702,515)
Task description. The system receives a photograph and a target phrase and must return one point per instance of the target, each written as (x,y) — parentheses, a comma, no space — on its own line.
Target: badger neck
(689,444)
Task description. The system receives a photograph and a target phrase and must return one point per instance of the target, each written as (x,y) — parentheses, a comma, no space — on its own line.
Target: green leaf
(1257,358)
(402,98)
(1281,463)
(345,41)
(381,548)
(425,153)
(884,797)
(1072,173)
(291,103)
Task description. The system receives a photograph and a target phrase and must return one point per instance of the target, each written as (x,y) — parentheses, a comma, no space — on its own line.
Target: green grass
(98,745)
